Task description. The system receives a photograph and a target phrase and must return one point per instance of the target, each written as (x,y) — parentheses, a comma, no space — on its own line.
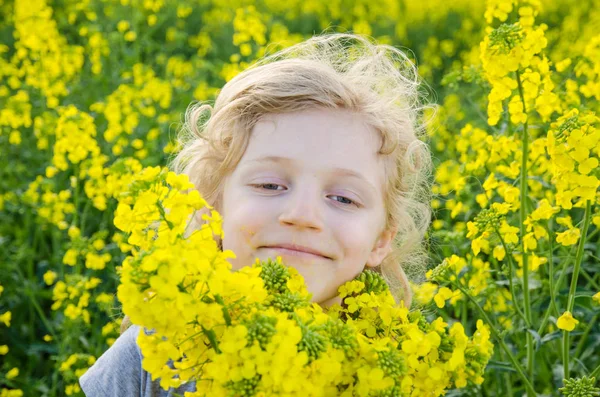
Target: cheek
(240,225)
(356,238)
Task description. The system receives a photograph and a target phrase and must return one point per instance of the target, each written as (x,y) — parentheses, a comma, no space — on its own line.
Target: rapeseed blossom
(66,78)
(567,322)
(255,331)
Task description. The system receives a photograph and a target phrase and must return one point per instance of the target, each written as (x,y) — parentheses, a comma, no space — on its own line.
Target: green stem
(57,260)
(84,216)
(30,272)
(592,234)
(523,216)
(31,294)
(190,337)
(551,270)
(212,338)
(585,335)
(589,278)
(579,255)
(510,278)
(573,287)
(46,322)
(463,314)
(509,391)
(226,316)
(500,340)
(559,282)
(565,354)
(76,188)
(595,372)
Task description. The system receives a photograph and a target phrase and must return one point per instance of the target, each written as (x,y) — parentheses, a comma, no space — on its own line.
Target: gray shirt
(118,372)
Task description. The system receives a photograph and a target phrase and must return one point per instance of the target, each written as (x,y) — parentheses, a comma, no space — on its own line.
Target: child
(311,155)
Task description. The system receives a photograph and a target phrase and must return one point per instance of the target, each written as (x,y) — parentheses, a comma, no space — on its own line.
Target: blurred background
(93,90)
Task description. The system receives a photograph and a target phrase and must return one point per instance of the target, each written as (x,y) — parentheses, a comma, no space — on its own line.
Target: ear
(198,215)
(383,246)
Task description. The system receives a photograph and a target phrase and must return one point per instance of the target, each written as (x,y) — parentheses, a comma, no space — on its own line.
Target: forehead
(319,139)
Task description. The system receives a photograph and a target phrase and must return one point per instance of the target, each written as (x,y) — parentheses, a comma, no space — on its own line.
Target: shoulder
(119,372)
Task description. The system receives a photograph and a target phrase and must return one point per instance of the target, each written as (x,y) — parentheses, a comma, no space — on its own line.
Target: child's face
(323,191)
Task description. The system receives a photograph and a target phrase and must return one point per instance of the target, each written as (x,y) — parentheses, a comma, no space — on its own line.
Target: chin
(330,301)
(325,298)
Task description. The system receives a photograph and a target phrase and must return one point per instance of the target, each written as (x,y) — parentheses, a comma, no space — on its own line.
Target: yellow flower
(509,233)
(511,194)
(473,229)
(596,297)
(442,295)
(123,26)
(234,340)
(96,262)
(567,322)
(14,138)
(74,232)
(424,292)
(530,242)
(179,182)
(50,277)
(499,252)
(130,36)
(565,221)
(544,210)
(569,237)
(479,243)
(5,318)
(13,373)
(588,165)
(563,65)
(70,257)
(98,244)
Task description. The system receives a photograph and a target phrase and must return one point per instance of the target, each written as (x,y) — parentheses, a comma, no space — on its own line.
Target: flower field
(92,94)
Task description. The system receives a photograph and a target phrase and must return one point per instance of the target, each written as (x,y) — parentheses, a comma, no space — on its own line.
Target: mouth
(296,251)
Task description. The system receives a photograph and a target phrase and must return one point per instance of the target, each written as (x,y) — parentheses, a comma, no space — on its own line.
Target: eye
(347,200)
(266,186)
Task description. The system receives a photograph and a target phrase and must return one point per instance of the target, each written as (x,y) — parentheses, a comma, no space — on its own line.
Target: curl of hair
(332,71)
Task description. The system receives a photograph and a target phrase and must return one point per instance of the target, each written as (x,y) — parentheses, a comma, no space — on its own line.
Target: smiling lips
(297,250)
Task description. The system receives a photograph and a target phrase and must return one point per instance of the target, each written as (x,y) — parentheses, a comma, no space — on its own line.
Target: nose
(302,209)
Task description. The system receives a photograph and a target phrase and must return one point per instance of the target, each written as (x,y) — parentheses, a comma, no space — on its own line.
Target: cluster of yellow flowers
(517,48)
(5,318)
(72,368)
(531,174)
(146,95)
(254,331)
(88,248)
(51,207)
(574,146)
(43,58)
(90,90)
(518,71)
(74,295)
(75,138)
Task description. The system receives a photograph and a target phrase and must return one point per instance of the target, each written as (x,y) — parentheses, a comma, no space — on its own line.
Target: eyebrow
(336,170)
